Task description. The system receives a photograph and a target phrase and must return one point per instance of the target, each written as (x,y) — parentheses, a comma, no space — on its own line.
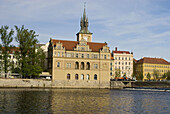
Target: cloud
(142,26)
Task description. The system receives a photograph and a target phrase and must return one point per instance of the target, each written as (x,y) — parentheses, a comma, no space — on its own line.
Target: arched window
(68,76)
(88,77)
(82,77)
(77,65)
(88,66)
(95,77)
(76,77)
(82,65)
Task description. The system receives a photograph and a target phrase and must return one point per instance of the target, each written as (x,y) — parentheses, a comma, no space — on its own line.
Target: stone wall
(37,83)
(119,84)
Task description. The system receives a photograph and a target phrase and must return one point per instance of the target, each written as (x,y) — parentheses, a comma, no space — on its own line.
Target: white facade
(123,60)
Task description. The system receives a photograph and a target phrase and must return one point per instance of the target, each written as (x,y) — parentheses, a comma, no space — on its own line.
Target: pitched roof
(70,45)
(127,52)
(153,60)
(13,49)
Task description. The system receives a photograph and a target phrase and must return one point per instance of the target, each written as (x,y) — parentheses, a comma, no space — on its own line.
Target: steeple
(84,23)
(84,32)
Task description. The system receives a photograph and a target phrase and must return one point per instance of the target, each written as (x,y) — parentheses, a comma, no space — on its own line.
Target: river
(36,101)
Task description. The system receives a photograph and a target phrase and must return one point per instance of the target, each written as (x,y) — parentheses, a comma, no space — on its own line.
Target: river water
(36,101)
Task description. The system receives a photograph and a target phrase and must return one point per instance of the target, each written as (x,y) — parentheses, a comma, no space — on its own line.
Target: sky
(140,26)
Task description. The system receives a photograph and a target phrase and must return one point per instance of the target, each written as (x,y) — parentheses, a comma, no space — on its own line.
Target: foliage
(117,73)
(6,39)
(29,60)
(166,75)
(140,76)
(155,74)
(148,76)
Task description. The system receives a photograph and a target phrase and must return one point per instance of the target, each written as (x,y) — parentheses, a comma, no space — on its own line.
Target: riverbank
(44,83)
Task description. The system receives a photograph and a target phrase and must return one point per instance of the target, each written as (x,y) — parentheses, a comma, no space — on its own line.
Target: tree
(148,76)
(117,72)
(155,74)
(140,76)
(27,56)
(6,39)
(166,75)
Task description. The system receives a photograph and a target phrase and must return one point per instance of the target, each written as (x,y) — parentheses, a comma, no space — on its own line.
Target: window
(119,63)
(115,63)
(82,65)
(122,58)
(95,56)
(77,55)
(68,65)
(88,77)
(68,54)
(87,55)
(122,63)
(126,58)
(82,55)
(95,77)
(119,58)
(88,66)
(95,66)
(129,63)
(58,64)
(77,65)
(104,56)
(125,63)
(129,58)
(68,76)
(115,58)
(76,77)
(82,77)
(58,54)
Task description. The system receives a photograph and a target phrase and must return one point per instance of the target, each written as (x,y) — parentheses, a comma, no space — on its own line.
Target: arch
(88,77)
(95,77)
(68,76)
(82,76)
(76,76)
(77,65)
(88,66)
(82,65)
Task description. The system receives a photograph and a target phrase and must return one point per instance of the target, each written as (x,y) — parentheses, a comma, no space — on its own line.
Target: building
(123,61)
(12,59)
(80,63)
(147,65)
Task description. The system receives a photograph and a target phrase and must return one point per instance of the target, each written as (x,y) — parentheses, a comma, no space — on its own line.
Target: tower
(84,32)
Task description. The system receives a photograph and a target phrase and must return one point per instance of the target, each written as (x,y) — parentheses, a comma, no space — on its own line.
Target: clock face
(85,38)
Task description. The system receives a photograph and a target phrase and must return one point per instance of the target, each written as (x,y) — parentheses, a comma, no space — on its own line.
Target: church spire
(84,22)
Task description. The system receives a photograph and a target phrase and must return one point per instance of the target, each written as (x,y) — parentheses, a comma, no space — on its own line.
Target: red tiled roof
(153,60)
(127,52)
(70,45)
(13,49)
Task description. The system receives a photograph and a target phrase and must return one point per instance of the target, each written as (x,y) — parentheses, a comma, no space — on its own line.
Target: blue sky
(141,26)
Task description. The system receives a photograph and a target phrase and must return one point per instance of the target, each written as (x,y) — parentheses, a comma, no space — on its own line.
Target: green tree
(168,75)
(27,56)
(141,76)
(155,74)
(148,76)
(117,72)
(6,39)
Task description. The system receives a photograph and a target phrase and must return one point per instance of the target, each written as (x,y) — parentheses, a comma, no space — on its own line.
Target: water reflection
(82,101)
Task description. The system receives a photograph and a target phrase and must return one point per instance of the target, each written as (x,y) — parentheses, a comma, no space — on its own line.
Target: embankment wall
(39,83)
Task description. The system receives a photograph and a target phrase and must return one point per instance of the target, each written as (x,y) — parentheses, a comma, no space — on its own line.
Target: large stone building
(80,63)
(123,61)
(148,65)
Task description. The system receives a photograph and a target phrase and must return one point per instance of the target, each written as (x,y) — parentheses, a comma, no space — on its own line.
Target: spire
(84,22)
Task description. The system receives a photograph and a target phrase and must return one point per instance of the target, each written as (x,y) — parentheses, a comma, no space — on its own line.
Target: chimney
(115,48)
